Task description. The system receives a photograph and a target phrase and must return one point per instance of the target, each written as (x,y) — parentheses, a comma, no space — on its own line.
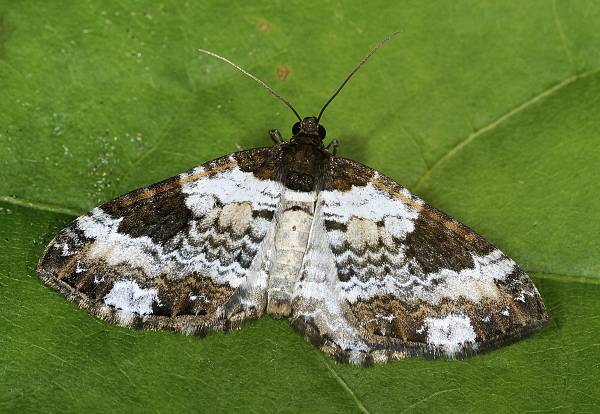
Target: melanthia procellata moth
(364,269)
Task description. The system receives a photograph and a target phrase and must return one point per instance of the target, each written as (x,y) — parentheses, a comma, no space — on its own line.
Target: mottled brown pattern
(212,309)
(191,295)
(262,162)
(92,277)
(53,261)
(344,173)
(433,246)
(388,317)
(160,217)
(96,278)
(394,327)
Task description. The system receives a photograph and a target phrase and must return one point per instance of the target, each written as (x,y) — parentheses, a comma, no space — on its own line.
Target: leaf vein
(562,35)
(410,407)
(345,386)
(498,121)
(36,205)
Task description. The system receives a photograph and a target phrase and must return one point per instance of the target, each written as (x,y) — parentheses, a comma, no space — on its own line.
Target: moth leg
(334,146)
(239,147)
(276,136)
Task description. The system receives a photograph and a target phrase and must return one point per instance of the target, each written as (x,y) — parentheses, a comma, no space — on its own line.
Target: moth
(364,269)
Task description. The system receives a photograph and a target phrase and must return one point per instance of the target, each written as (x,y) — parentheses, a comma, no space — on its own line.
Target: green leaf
(489,110)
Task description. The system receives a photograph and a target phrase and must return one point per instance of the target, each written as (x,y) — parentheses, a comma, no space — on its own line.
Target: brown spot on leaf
(264,25)
(282,72)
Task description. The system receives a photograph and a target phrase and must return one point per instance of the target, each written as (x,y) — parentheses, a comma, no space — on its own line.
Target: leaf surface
(486,109)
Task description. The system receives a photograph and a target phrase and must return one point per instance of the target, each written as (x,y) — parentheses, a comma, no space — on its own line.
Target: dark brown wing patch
(160,217)
(435,246)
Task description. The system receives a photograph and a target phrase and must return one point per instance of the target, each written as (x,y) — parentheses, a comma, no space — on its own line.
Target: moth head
(309,127)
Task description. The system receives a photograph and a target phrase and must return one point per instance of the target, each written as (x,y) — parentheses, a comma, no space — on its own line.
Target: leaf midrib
(500,120)
(40,206)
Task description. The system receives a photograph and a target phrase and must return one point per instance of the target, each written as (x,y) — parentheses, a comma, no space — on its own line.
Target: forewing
(386,275)
(189,253)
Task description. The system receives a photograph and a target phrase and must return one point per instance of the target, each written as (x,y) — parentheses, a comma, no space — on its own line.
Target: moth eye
(322,132)
(296,128)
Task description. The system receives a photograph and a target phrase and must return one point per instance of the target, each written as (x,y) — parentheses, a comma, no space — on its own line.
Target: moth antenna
(362,62)
(251,76)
